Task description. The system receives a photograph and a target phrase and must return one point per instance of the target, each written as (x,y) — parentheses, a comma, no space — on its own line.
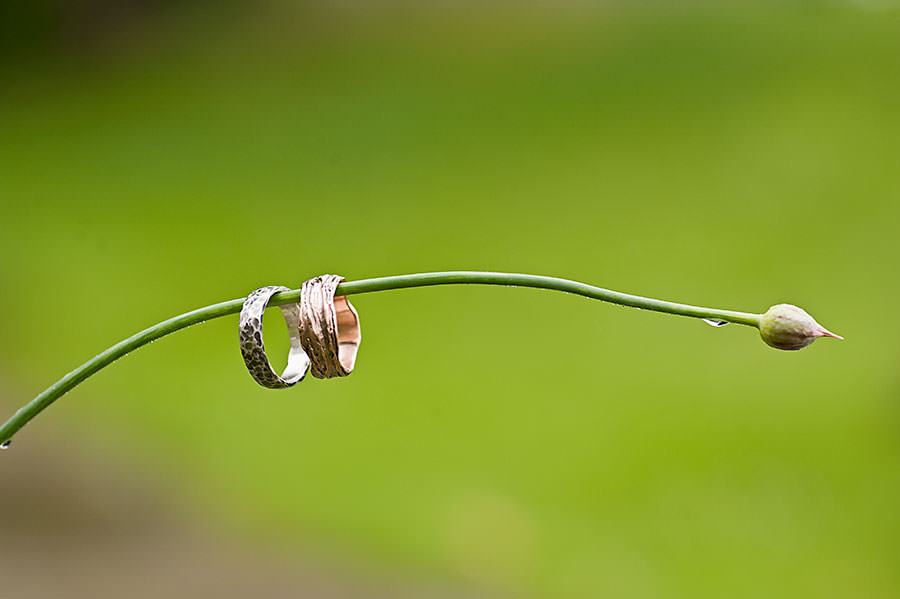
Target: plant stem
(176,323)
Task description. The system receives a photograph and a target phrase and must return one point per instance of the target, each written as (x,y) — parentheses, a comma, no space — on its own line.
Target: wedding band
(329,328)
(254,350)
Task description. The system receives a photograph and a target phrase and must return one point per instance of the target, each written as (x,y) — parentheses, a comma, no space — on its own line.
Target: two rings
(324,334)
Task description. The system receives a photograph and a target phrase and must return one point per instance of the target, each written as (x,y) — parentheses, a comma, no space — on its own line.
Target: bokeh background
(156,157)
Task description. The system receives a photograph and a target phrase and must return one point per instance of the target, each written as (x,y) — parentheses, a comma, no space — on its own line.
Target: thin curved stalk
(176,323)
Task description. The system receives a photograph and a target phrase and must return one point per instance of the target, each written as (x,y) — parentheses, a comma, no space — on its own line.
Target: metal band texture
(254,350)
(329,328)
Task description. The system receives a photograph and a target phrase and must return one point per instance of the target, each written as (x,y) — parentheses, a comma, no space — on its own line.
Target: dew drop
(715,322)
(5,444)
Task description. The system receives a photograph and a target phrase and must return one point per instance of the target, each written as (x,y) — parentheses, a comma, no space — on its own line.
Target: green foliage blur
(526,442)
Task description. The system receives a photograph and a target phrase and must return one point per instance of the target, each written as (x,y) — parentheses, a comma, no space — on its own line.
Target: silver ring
(329,328)
(254,350)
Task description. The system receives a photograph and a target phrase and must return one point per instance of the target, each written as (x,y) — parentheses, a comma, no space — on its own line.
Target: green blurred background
(157,157)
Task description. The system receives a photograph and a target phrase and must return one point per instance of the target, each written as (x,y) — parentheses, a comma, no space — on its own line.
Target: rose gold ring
(329,328)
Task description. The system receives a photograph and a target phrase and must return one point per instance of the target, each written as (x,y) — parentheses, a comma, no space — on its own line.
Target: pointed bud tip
(827,333)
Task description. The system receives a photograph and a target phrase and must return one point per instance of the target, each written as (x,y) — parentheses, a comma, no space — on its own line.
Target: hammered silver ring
(254,350)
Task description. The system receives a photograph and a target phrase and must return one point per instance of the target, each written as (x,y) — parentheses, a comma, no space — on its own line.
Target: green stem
(98,362)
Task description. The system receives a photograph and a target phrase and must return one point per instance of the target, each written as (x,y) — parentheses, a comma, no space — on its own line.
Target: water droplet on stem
(5,444)
(715,322)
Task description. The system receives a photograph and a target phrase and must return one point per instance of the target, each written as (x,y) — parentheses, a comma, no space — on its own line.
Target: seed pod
(788,327)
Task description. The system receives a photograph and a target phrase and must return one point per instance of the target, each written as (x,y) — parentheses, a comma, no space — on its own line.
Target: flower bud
(788,327)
